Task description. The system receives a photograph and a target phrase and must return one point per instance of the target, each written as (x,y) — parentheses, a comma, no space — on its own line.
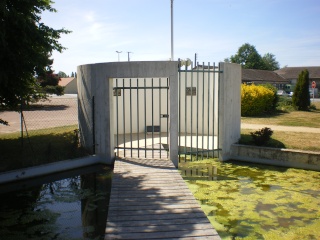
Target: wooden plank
(149,199)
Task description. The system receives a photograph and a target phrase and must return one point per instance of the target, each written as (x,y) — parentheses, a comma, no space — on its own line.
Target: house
(258,77)
(70,84)
(292,73)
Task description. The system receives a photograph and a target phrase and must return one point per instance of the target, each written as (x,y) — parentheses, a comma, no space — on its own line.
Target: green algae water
(253,201)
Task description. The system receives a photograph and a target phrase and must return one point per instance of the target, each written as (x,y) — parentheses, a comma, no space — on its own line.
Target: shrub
(301,96)
(276,97)
(285,104)
(256,100)
(262,136)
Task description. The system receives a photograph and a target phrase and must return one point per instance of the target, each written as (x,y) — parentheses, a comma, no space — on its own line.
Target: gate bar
(138,120)
(208,117)
(117,114)
(160,111)
(202,105)
(130,91)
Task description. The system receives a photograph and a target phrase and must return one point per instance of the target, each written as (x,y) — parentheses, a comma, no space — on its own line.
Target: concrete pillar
(229,108)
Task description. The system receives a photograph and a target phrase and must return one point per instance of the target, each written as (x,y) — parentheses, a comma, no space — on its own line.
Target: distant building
(70,85)
(292,74)
(257,77)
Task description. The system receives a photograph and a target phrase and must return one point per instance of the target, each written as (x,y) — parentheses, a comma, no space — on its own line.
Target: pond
(70,205)
(252,201)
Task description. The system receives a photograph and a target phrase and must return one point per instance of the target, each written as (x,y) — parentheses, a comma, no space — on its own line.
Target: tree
(26,45)
(62,74)
(72,74)
(50,83)
(301,97)
(249,58)
(270,62)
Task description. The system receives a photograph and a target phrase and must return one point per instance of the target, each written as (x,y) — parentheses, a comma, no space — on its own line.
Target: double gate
(142,114)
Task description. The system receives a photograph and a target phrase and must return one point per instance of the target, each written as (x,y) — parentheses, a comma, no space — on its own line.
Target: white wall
(141,113)
(194,110)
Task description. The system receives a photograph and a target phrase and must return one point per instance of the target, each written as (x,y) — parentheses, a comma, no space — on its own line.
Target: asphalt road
(57,111)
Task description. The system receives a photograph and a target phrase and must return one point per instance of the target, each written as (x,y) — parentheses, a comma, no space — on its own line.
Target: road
(57,111)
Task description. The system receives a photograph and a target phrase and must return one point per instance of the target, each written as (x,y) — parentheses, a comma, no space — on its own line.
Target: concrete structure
(69,84)
(96,123)
(276,156)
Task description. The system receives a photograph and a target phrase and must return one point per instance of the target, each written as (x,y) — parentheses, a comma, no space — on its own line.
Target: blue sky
(214,29)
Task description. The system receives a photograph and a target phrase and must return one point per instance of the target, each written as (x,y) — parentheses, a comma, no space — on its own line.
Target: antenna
(129,56)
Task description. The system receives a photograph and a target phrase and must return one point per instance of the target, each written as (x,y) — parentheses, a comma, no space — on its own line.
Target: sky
(214,29)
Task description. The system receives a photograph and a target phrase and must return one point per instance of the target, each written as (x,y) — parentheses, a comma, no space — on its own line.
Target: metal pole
(172,58)
(129,56)
(118,55)
(21,122)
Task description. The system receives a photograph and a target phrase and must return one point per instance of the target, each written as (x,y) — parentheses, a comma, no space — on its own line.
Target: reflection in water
(255,201)
(57,207)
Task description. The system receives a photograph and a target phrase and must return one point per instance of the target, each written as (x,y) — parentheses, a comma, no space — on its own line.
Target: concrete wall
(97,80)
(229,108)
(276,156)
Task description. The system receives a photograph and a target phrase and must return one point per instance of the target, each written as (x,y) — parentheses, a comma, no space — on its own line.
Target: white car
(282,93)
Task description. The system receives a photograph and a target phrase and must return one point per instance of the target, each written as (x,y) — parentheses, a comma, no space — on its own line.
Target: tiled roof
(65,81)
(293,72)
(261,75)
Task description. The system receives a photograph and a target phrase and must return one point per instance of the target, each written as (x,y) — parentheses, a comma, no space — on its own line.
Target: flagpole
(172,30)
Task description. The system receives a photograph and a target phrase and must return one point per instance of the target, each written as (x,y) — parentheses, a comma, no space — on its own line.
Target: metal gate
(198,111)
(141,117)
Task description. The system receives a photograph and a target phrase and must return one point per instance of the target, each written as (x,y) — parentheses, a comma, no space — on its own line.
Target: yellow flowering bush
(256,100)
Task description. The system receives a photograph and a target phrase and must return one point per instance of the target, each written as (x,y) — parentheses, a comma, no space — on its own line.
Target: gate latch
(164,115)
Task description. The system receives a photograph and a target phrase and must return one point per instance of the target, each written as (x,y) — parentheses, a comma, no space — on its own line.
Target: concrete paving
(280,128)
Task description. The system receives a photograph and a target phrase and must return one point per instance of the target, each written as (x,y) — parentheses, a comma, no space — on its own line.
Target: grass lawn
(43,146)
(293,118)
(292,140)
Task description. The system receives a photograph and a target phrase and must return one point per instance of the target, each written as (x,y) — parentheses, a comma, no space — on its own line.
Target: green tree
(270,62)
(50,83)
(62,74)
(26,45)
(72,74)
(301,97)
(249,58)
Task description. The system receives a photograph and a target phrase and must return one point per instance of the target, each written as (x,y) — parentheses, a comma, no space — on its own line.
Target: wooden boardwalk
(150,200)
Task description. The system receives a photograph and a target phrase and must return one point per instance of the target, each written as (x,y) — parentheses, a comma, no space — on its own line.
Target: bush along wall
(256,100)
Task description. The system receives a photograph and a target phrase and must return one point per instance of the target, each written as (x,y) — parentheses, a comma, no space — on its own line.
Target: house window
(191,91)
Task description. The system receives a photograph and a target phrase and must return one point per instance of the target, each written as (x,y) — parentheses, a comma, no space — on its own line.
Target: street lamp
(118,55)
